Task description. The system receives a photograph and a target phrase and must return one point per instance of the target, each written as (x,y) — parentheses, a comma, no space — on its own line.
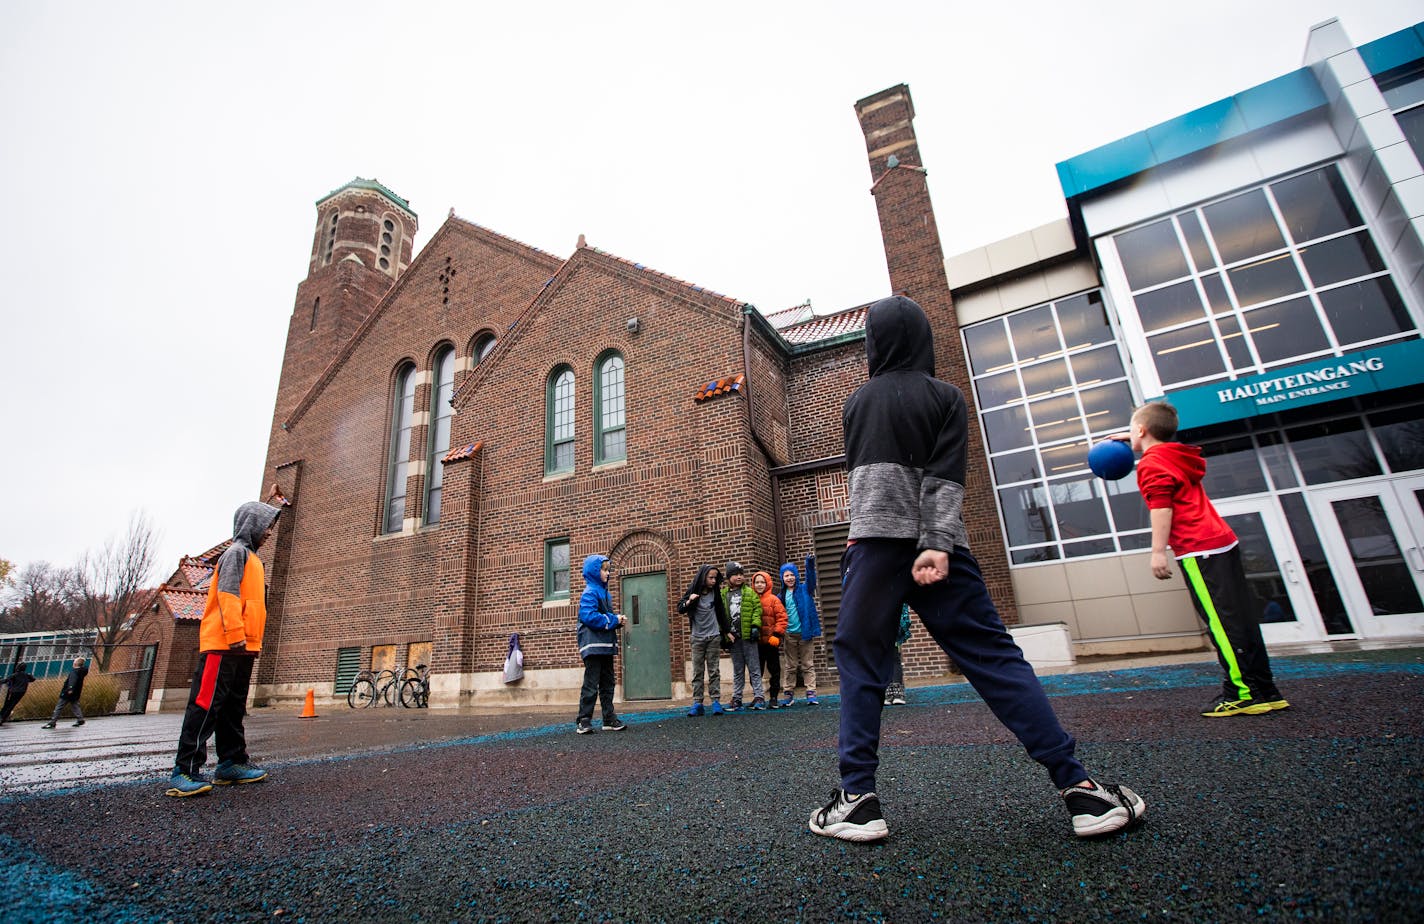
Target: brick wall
(336,580)
(693,488)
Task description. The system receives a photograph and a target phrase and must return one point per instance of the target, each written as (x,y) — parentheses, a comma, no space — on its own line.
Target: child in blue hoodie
(598,643)
(803,627)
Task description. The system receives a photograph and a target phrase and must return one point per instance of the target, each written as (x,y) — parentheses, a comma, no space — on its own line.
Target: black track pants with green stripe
(1223,599)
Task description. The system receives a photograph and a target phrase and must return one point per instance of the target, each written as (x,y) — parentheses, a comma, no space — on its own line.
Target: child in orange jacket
(773,633)
(229,640)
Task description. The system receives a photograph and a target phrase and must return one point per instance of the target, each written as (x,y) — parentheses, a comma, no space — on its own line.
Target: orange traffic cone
(309,710)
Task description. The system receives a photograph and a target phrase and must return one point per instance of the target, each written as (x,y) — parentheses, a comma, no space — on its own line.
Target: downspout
(751,425)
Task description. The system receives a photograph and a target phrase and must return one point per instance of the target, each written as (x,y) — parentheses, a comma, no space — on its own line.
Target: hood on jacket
(789,566)
(765,576)
(696,586)
(592,566)
(251,521)
(1186,460)
(898,337)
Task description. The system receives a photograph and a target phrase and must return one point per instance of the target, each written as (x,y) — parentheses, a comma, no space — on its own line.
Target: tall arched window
(440,414)
(610,443)
(559,422)
(398,462)
(483,344)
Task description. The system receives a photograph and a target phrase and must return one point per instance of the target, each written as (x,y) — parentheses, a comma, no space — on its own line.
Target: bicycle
(415,687)
(370,686)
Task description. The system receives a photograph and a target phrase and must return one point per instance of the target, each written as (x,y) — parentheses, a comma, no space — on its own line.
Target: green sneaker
(1225,707)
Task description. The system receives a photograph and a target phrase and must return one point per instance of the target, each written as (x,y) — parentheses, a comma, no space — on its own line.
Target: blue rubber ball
(1110,459)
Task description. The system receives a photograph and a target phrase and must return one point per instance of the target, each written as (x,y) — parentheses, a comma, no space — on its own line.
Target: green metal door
(646,674)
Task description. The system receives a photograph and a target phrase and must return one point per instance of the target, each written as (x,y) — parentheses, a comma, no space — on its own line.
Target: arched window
(483,344)
(440,414)
(398,462)
(559,422)
(610,443)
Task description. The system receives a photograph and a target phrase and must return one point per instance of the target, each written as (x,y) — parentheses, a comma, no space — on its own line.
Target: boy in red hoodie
(1169,476)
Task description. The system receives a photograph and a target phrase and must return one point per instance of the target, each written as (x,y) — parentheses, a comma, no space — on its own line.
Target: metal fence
(125,685)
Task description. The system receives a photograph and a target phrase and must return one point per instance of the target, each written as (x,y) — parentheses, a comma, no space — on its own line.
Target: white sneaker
(1102,809)
(850,818)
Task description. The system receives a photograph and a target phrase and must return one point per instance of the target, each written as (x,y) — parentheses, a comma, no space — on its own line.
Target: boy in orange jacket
(229,640)
(773,633)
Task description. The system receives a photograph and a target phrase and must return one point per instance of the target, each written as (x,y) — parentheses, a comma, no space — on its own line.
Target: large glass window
(1050,381)
(440,414)
(1403,90)
(610,442)
(559,422)
(398,460)
(1261,278)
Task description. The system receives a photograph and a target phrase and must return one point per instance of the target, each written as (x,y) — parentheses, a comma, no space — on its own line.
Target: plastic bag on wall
(514,661)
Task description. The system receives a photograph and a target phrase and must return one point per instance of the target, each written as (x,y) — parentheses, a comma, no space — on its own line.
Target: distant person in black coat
(70,693)
(15,686)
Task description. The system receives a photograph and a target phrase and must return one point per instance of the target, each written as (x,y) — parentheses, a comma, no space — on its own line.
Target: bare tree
(37,600)
(109,588)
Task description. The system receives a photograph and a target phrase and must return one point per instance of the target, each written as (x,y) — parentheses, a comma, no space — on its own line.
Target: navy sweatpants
(960,616)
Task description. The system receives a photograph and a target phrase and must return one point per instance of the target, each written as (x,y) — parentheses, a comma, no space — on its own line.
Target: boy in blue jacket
(803,627)
(905,438)
(598,643)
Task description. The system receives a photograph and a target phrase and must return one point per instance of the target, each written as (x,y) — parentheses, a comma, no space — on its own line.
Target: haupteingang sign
(1329,378)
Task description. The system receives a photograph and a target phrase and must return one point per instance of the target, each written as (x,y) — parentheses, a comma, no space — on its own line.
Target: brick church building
(456,430)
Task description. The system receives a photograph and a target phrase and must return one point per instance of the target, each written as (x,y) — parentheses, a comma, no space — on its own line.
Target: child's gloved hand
(756,634)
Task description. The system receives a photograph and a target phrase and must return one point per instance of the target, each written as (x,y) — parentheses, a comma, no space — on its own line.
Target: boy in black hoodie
(905,435)
(709,631)
(15,686)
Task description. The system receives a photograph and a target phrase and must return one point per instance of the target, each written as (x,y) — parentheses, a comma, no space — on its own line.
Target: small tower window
(330,239)
(390,243)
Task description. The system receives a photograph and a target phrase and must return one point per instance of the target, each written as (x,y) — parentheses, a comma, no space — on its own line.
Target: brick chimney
(915,259)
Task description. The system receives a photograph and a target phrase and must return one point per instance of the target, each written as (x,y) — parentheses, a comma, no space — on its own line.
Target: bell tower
(363,243)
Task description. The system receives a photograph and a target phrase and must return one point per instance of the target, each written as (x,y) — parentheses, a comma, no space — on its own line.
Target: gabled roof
(195,573)
(691,294)
(785,317)
(454,222)
(827,327)
(184,603)
(691,286)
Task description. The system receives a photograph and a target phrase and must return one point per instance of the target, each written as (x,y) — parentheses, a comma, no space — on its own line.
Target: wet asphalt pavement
(1308,814)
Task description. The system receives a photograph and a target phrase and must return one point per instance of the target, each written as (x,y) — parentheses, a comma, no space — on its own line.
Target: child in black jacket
(905,435)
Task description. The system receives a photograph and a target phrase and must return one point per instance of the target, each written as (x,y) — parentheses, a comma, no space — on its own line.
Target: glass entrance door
(1283,600)
(1374,533)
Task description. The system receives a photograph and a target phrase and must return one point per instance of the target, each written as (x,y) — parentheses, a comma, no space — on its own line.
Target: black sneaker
(850,818)
(79,723)
(584,727)
(1102,809)
(615,725)
(47,725)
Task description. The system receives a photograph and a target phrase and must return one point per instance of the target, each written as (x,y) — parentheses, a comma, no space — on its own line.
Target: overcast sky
(163,161)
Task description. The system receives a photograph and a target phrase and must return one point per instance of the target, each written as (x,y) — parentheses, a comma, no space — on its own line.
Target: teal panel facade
(1330,378)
